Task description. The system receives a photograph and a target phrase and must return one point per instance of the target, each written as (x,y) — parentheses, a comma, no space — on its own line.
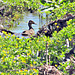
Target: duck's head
(31,22)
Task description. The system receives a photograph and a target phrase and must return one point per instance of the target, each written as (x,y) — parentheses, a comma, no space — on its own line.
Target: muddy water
(24,23)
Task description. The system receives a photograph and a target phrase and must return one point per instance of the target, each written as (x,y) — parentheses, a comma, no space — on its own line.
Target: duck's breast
(28,32)
(31,31)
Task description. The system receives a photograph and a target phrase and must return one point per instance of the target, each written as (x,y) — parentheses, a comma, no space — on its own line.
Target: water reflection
(24,23)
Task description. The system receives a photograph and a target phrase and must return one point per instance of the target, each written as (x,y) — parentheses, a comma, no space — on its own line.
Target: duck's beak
(35,24)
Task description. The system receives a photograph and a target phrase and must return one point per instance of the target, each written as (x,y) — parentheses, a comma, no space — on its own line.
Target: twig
(67,43)
(49,60)
(46,53)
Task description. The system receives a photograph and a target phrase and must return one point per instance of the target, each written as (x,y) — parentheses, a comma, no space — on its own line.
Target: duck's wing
(28,32)
(25,33)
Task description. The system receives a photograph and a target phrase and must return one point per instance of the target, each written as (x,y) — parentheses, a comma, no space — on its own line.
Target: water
(24,23)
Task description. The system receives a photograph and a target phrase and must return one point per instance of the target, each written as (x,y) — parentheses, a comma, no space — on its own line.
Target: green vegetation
(19,55)
(12,10)
(34,4)
(70,8)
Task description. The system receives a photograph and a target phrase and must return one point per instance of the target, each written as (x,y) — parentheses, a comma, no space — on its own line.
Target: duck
(31,30)
(2,29)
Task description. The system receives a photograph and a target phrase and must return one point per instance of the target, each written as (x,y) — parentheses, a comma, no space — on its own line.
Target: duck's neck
(30,26)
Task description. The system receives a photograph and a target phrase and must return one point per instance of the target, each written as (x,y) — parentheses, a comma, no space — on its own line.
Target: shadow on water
(24,23)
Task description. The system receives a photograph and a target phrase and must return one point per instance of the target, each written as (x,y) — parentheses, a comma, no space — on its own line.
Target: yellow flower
(70,5)
(3,45)
(68,25)
(17,72)
(5,37)
(4,51)
(57,26)
(21,70)
(70,19)
(24,73)
(39,50)
(17,38)
(35,70)
(24,61)
(44,40)
(19,41)
(34,62)
(31,65)
(16,47)
(30,73)
(25,70)
(11,57)
(8,74)
(2,57)
(14,61)
(70,39)
(7,52)
(0,46)
(56,65)
(55,31)
(2,31)
(22,37)
(2,73)
(0,36)
(16,44)
(5,48)
(45,31)
(13,35)
(28,47)
(55,23)
(57,40)
(30,41)
(28,53)
(9,33)
(6,34)
(49,41)
(21,73)
(4,54)
(37,40)
(3,60)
